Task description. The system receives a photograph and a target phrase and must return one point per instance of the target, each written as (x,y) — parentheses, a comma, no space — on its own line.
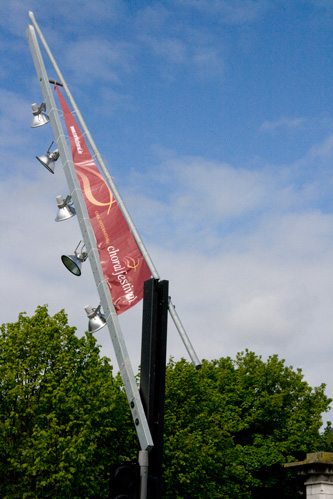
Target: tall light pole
(150,397)
(126,371)
(172,310)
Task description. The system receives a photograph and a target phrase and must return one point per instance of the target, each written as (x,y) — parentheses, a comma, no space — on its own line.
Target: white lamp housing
(40,118)
(48,160)
(96,318)
(65,208)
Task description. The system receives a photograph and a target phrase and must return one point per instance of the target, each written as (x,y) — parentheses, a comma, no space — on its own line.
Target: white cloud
(289,123)
(152,18)
(172,49)
(323,150)
(217,203)
(247,251)
(15,17)
(229,11)
(208,61)
(248,256)
(98,59)
(265,283)
(15,120)
(178,44)
(187,53)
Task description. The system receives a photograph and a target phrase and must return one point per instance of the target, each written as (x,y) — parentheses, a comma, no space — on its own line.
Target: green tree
(63,416)
(230,427)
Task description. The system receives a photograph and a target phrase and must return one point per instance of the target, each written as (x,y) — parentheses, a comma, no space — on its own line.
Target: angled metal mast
(172,310)
(89,240)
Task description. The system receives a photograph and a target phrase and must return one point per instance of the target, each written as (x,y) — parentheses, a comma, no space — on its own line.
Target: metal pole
(97,154)
(143,462)
(152,375)
(88,236)
(195,360)
(115,192)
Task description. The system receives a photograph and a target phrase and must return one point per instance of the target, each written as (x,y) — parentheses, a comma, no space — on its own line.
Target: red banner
(124,267)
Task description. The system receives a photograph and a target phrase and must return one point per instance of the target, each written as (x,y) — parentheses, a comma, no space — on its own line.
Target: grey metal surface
(88,237)
(96,152)
(188,345)
(181,330)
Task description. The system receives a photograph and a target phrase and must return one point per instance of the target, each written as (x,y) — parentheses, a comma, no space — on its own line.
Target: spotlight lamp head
(40,117)
(65,208)
(48,160)
(74,262)
(96,318)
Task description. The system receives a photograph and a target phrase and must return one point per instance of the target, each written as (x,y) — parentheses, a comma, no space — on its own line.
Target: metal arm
(114,190)
(88,236)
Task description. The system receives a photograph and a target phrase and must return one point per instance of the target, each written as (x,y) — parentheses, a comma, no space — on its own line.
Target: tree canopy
(231,426)
(63,416)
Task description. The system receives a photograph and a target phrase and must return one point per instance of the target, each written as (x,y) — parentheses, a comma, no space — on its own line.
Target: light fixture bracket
(74,262)
(97,320)
(66,209)
(48,160)
(39,115)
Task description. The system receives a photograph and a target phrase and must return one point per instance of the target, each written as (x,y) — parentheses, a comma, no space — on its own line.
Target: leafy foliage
(231,426)
(63,416)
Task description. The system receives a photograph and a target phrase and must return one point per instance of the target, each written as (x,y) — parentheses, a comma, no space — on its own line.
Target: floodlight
(74,262)
(40,117)
(96,318)
(66,209)
(48,160)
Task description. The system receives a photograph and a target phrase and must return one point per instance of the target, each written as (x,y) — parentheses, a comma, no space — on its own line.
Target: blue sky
(215,120)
